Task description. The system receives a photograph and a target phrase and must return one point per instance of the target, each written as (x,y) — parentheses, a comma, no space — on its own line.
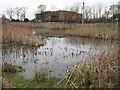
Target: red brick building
(59,16)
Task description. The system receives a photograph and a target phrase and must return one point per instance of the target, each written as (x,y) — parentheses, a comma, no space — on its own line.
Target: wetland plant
(9,67)
(101,72)
(41,76)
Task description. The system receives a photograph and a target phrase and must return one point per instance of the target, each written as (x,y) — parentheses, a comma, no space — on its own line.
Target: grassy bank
(19,35)
(95,30)
(11,78)
(17,81)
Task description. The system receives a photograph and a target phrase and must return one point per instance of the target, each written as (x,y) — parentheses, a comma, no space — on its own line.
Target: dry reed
(95,30)
(19,35)
(101,72)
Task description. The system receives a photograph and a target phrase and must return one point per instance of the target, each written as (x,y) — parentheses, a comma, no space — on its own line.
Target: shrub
(13,20)
(26,20)
(17,20)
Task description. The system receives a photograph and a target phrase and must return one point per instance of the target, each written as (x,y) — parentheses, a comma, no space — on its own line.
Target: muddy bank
(108,31)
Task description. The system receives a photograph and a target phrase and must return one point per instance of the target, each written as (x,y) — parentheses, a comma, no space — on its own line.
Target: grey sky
(58,4)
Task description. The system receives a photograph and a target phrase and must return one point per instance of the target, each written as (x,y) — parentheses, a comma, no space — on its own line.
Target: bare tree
(99,10)
(87,12)
(114,9)
(18,12)
(66,8)
(119,3)
(23,12)
(75,7)
(41,8)
(106,14)
(93,14)
(10,13)
(119,7)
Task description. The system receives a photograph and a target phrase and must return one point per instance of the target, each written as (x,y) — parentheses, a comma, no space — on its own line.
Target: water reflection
(56,55)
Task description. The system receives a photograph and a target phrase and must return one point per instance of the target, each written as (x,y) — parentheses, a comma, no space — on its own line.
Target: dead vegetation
(101,72)
(19,35)
(11,67)
(41,75)
(95,30)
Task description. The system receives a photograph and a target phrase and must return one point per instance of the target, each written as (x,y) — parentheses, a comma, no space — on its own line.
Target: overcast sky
(58,4)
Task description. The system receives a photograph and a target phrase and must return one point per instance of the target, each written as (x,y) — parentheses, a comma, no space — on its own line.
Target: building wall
(63,16)
(69,16)
(46,16)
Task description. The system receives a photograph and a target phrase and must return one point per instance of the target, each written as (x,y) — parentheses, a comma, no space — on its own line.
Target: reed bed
(95,30)
(100,72)
(19,35)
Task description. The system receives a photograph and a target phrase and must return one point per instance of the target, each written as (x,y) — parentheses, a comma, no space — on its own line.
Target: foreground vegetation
(101,71)
(16,81)
(11,79)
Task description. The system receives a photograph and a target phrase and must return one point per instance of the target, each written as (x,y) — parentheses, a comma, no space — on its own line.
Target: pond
(56,56)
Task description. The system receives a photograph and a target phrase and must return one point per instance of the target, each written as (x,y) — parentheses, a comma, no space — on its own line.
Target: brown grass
(101,72)
(19,35)
(98,31)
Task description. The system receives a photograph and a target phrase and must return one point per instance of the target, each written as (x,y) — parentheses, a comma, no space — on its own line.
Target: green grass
(13,79)
(18,81)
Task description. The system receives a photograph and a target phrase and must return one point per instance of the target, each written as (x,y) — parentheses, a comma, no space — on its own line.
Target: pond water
(57,54)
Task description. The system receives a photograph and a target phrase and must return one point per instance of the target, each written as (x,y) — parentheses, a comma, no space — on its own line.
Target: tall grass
(41,75)
(95,30)
(101,72)
(19,35)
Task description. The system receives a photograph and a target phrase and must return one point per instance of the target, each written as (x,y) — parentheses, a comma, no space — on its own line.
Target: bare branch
(10,13)
(41,8)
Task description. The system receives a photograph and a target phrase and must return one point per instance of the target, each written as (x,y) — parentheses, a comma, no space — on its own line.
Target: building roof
(58,11)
